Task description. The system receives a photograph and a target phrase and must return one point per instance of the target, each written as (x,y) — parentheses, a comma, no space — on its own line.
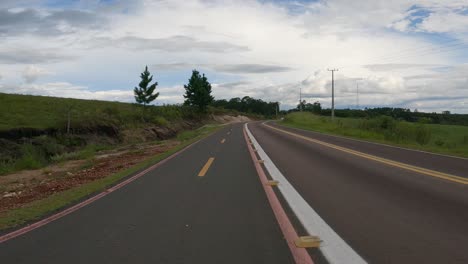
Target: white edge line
(370,142)
(334,248)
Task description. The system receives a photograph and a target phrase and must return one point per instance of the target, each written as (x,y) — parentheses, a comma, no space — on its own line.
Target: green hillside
(42,112)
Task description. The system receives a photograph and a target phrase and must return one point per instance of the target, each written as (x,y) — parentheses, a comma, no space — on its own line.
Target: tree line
(249,105)
(396,113)
(198,95)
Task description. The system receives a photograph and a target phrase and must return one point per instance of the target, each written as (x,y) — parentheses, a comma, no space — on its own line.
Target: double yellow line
(420,170)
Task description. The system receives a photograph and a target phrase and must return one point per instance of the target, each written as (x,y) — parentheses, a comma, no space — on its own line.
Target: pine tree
(198,91)
(144,94)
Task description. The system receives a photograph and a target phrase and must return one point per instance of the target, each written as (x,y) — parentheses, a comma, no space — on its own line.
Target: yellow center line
(420,170)
(222,141)
(206,167)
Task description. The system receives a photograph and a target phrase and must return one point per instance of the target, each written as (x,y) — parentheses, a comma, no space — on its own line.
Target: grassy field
(56,201)
(42,112)
(444,139)
(89,120)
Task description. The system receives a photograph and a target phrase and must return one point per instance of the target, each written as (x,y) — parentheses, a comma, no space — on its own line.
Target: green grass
(57,201)
(91,121)
(42,112)
(443,139)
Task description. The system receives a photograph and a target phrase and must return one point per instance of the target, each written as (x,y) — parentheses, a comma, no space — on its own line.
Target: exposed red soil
(35,185)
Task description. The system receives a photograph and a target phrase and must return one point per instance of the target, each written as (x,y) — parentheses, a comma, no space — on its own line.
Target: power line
(435,50)
(405,52)
(453,45)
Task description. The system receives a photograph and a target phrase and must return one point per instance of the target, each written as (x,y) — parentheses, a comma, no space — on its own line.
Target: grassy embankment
(94,126)
(443,139)
(43,112)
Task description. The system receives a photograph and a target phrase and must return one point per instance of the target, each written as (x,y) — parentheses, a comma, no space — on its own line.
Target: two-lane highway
(170,215)
(387,213)
(369,202)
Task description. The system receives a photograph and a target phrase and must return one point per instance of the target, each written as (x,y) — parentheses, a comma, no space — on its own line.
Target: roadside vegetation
(35,132)
(444,139)
(59,189)
(401,114)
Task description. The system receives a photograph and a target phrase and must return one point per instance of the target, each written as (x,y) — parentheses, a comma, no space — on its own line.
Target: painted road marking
(86,202)
(300,255)
(308,242)
(222,141)
(436,174)
(380,144)
(334,248)
(206,167)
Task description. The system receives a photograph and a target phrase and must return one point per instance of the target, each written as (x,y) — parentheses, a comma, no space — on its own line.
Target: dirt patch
(154,132)
(226,119)
(24,187)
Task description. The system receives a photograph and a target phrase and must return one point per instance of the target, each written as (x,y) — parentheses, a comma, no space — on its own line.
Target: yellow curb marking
(308,242)
(272,183)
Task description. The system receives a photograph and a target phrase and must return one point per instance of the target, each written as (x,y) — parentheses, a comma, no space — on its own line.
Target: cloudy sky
(411,54)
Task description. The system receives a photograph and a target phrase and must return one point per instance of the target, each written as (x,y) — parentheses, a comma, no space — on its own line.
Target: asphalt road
(386,213)
(170,215)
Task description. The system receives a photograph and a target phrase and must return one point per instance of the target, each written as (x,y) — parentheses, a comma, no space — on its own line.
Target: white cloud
(246,47)
(68,90)
(443,22)
(28,55)
(31,73)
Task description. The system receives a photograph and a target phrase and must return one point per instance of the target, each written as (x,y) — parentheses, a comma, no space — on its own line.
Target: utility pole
(333,92)
(300,99)
(69,109)
(357,93)
(277,108)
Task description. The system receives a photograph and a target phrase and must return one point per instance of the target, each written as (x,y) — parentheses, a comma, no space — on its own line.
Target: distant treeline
(248,105)
(445,118)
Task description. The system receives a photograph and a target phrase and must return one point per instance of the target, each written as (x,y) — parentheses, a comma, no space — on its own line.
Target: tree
(316,107)
(198,91)
(301,105)
(144,94)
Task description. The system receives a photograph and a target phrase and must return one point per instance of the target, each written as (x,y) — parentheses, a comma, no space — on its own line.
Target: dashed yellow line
(420,170)
(222,141)
(206,167)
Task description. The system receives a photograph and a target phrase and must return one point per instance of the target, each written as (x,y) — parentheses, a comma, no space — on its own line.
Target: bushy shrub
(439,142)
(32,158)
(387,123)
(423,134)
(160,121)
(404,131)
(49,146)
